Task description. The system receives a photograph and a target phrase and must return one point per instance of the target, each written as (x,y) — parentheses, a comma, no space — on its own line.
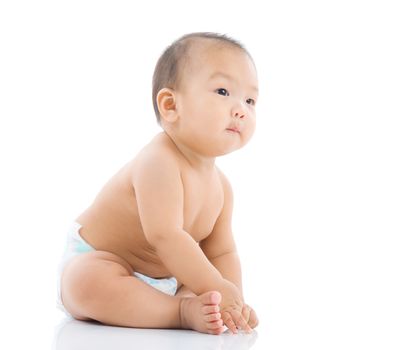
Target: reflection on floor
(77,335)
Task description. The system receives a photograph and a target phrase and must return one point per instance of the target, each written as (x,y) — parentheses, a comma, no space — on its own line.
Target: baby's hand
(250,316)
(231,308)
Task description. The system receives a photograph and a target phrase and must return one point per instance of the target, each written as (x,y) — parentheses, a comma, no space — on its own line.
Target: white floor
(288,324)
(77,335)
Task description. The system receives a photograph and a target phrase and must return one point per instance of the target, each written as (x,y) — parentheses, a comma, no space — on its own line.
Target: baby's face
(216,101)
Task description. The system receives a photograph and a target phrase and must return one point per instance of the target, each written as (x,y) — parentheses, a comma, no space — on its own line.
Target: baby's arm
(219,246)
(220,249)
(159,193)
(229,266)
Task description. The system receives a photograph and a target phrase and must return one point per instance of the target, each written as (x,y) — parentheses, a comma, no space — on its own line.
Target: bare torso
(112,222)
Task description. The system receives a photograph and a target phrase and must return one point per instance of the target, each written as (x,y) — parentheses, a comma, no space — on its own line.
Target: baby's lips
(234,129)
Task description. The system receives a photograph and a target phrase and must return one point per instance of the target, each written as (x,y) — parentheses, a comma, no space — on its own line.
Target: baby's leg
(101,286)
(184,291)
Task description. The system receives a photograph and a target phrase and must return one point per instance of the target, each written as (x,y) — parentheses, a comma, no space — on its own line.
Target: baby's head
(204,93)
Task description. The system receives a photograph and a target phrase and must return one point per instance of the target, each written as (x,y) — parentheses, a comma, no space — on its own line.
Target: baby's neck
(196,161)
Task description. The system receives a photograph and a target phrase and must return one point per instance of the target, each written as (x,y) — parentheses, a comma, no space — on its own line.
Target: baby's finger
(228,321)
(246,313)
(240,321)
(253,319)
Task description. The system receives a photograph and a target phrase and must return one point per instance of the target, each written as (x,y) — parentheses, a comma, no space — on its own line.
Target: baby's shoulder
(156,156)
(222,177)
(155,168)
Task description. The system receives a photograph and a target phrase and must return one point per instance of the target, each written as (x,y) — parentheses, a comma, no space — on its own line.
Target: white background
(325,193)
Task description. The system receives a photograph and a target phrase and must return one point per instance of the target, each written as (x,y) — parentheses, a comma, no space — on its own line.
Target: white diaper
(76,246)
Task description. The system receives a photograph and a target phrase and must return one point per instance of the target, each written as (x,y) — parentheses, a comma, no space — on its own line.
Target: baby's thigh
(86,275)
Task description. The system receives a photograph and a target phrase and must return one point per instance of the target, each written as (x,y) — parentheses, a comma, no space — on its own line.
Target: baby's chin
(227,150)
(219,146)
(217,152)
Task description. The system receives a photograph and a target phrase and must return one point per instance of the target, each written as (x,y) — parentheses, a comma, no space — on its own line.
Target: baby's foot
(202,313)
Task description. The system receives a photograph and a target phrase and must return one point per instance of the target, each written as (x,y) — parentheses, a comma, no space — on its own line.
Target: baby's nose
(238,111)
(239,115)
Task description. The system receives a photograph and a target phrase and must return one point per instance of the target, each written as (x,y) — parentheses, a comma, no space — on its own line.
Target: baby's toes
(210,309)
(212,317)
(215,325)
(211,298)
(216,331)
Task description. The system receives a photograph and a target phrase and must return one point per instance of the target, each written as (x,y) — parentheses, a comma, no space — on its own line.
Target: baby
(155,249)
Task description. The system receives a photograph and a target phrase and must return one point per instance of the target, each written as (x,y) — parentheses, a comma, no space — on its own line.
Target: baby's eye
(222,92)
(250,101)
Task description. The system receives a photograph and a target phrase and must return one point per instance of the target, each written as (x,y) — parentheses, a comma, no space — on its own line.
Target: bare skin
(167,213)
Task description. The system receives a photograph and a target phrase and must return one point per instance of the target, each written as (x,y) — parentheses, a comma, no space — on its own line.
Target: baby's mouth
(234,129)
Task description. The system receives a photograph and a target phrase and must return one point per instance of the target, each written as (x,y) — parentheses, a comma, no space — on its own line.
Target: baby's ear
(167,105)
